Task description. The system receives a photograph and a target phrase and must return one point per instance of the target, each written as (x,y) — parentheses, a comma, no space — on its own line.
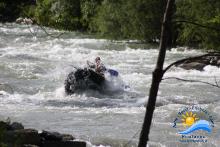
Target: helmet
(97,59)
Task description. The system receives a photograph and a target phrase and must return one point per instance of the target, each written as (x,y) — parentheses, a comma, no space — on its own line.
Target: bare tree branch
(33,33)
(197,24)
(216,81)
(193,81)
(190,58)
(43,29)
(132,138)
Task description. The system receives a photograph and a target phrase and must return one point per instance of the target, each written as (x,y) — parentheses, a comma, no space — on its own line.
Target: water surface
(36,65)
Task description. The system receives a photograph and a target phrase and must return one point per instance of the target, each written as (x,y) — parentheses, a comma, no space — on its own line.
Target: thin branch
(197,24)
(216,81)
(132,138)
(48,34)
(193,81)
(34,34)
(43,29)
(190,58)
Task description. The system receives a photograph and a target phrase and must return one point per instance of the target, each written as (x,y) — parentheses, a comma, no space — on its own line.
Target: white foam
(60,92)
(3,93)
(209,72)
(185,50)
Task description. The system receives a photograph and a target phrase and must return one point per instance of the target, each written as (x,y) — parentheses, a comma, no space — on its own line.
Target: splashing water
(36,67)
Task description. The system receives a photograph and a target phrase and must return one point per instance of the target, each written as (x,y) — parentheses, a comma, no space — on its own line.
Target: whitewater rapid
(35,66)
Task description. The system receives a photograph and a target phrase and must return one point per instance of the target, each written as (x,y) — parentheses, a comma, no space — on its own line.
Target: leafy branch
(197,24)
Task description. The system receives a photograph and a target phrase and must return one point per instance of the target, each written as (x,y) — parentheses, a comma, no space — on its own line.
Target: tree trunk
(157,74)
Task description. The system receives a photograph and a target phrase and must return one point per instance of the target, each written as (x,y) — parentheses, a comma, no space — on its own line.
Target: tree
(203,12)
(10,10)
(157,74)
(61,14)
(119,19)
(88,11)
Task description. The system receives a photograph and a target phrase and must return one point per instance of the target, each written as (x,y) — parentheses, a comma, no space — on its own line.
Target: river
(35,66)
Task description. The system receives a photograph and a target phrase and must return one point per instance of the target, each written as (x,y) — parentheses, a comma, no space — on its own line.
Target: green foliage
(204,12)
(108,19)
(89,9)
(68,14)
(130,19)
(43,13)
(61,14)
(145,17)
(28,11)
(11,9)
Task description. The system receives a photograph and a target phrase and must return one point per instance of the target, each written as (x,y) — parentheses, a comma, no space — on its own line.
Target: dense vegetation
(11,9)
(205,13)
(124,19)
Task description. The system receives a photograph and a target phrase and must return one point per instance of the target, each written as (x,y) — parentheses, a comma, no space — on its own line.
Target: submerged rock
(6,88)
(193,65)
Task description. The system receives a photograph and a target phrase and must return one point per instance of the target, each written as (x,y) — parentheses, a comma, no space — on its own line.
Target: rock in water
(25,20)
(64,144)
(193,65)
(16,126)
(6,88)
(218,63)
(55,136)
(20,137)
(51,136)
(200,62)
(15,135)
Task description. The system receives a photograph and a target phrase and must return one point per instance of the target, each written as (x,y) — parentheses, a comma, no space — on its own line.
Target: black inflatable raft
(83,79)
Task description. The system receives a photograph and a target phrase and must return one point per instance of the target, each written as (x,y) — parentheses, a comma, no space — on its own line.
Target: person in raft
(98,66)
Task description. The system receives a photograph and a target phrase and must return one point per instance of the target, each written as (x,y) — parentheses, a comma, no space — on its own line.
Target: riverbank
(14,134)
